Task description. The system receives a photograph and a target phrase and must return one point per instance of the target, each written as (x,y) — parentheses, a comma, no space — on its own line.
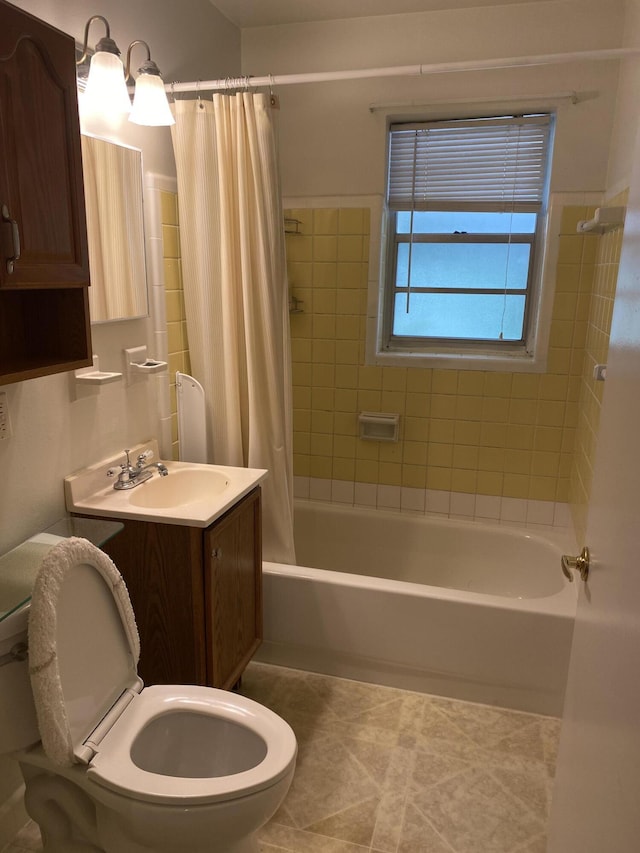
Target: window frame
(485,352)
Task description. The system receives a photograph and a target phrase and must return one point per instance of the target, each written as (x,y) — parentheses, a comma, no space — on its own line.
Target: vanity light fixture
(150,104)
(106,90)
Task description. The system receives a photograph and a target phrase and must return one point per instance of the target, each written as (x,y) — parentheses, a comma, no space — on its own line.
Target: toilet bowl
(120,768)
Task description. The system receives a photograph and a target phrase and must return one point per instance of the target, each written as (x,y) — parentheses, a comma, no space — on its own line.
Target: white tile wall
(342,491)
(462,505)
(413,500)
(438,501)
(488,506)
(365,494)
(434,502)
(388,497)
(319,490)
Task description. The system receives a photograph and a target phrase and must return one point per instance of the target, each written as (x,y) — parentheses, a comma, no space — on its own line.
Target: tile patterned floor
(382,770)
(391,771)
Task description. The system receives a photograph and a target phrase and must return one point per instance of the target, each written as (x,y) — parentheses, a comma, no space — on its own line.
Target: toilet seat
(113,766)
(93,710)
(83,648)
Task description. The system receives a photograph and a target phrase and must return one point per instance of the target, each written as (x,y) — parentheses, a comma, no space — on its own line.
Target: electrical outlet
(5,421)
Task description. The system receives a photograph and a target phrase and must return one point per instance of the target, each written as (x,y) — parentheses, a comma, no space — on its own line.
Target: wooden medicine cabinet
(44,268)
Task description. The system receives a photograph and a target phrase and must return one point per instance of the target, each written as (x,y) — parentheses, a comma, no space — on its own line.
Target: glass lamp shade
(150,105)
(106,90)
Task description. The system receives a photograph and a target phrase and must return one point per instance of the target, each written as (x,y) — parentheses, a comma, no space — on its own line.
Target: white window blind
(478,164)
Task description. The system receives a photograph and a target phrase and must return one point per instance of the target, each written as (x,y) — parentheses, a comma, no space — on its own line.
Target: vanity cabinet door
(233,591)
(41,190)
(162,567)
(196,594)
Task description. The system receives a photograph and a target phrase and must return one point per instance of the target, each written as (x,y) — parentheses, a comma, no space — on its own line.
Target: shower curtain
(236,294)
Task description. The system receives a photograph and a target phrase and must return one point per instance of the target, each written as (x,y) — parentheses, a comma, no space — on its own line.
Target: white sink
(190,494)
(180,487)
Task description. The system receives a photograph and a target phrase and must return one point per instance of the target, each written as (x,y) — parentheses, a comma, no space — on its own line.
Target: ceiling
(261,13)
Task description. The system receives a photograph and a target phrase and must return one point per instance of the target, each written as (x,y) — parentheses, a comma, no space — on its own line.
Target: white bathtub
(461,609)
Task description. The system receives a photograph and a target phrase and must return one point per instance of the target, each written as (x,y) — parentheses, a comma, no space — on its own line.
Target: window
(466,202)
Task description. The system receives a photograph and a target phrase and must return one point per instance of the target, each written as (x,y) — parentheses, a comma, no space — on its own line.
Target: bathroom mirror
(115,230)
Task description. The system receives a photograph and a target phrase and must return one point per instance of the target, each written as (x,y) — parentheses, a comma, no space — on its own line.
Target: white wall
(331,144)
(625,125)
(53,433)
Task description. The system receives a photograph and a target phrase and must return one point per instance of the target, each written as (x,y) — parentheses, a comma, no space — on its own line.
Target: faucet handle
(122,467)
(145,456)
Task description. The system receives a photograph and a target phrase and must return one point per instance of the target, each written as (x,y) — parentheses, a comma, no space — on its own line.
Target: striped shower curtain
(236,295)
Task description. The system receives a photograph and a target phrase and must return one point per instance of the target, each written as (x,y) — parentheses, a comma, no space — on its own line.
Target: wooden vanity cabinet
(196,594)
(44,315)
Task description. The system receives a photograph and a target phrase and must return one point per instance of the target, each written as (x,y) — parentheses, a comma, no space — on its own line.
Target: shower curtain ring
(273,100)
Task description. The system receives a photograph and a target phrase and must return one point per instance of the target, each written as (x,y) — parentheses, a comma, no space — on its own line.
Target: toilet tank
(18,723)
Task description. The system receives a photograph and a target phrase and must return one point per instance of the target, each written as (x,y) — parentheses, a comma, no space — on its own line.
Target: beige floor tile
(550,733)
(299,841)
(328,779)
(473,813)
(417,835)
(452,777)
(382,770)
(484,725)
(27,839)
(355,823)
(529,781)
(388,822)
(536,845)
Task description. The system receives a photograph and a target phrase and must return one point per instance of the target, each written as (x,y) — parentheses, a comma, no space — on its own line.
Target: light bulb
(106,91)
(150,105)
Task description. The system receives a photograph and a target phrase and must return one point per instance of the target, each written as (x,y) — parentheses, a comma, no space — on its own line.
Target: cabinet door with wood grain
(44,266)
(162,568)
(233,591)
(42,214)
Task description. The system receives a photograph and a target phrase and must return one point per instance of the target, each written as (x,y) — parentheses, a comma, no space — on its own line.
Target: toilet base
(64,813)
(72,821)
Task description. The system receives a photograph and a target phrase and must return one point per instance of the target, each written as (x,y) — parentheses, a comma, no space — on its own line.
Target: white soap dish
(150,365)
(94,376)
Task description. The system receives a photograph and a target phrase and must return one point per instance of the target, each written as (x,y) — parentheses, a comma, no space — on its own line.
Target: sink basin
(178,488)
(192,494)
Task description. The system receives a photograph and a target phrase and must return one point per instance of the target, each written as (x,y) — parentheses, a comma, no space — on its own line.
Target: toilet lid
(83,647)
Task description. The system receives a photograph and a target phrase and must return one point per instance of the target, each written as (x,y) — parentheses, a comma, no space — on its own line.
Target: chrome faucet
(130,475)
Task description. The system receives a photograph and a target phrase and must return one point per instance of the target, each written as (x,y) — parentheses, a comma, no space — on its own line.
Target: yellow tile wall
(178,345)
(605,275)
(500,434)
(529,436)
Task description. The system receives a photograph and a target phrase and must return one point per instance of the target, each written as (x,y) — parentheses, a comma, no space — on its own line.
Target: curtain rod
(404,70)
(574,97)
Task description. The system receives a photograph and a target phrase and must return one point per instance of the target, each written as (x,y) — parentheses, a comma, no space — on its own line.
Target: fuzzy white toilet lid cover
(43,662)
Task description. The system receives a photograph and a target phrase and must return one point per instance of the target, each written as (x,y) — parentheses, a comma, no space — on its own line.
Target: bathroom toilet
(117,767)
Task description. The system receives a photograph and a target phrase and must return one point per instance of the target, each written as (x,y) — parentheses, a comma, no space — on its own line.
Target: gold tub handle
(580,564)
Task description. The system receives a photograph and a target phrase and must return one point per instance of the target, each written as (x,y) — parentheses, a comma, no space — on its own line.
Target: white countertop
(91,492)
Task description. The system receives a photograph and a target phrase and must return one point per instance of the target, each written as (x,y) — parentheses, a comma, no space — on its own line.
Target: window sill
(500,362)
